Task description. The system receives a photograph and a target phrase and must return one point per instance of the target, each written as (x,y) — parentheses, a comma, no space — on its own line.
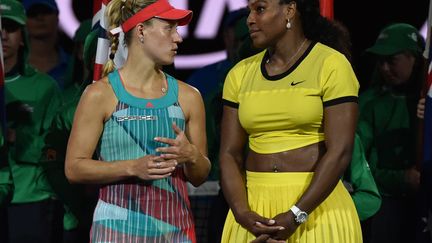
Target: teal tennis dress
(142,211)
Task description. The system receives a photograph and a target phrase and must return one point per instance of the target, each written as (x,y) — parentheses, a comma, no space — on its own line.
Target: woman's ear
(290,10)
(140,31)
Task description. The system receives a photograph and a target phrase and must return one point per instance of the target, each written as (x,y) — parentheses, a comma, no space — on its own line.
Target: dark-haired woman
(295,106)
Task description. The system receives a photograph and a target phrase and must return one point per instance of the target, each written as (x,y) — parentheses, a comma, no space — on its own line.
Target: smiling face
(161,40)
(267,21)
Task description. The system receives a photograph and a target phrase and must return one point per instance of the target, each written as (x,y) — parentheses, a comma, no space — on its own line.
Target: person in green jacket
(388,127)
(361,184)
(32,98)
(359,181)
(79,200)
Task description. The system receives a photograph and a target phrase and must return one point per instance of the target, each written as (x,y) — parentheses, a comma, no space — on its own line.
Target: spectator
(32,99)
(79,200)
(387,127)
(360,183)
(46,53)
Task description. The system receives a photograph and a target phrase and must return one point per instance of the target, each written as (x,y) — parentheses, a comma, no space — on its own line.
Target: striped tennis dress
(142,211)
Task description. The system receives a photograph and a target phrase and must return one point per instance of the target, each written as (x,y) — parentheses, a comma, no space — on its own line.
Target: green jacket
(5,176)
(360,183)
(386,127)
(32,100)
(54,153)
(6,185)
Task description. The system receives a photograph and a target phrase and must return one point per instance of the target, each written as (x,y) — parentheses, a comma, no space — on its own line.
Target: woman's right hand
(151,167)
(257,224)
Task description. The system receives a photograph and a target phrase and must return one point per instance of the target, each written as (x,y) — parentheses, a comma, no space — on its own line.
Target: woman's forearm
(326,176)
(233,184)
(89,171)
(197,169)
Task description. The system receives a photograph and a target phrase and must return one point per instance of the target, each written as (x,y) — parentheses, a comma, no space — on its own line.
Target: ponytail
(110,65)
(114,15)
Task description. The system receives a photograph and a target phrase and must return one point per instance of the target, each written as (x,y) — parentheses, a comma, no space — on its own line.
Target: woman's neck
(143,79)
(287,50)
(140,70)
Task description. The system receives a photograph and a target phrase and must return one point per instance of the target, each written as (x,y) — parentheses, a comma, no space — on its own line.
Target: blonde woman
(148,129)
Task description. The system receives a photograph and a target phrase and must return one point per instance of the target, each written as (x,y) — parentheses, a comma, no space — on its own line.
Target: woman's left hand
(179,148)
(287,221)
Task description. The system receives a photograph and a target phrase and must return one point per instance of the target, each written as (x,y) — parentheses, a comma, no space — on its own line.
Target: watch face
(301,217)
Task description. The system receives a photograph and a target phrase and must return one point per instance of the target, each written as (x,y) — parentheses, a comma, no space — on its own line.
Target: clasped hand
(275,230)
(179,149)
(153,167)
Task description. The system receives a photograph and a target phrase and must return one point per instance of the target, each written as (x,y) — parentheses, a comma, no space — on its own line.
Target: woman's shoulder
(328,58)
(246,66)
(187,90)
(99,90)
(249,62)
(189,98)
(327,51)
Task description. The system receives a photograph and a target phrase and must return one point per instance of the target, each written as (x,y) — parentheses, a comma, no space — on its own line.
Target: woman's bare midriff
(303,159)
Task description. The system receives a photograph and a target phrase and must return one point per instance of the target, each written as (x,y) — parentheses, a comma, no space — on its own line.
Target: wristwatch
(300,216)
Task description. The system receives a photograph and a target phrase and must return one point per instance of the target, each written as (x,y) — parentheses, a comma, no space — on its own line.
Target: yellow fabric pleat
(334,221)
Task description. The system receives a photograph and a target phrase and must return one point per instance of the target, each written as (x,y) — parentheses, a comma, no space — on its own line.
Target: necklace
(164,87)
(295,54)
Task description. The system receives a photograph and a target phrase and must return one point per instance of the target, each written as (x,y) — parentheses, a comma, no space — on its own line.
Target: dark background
(364,20)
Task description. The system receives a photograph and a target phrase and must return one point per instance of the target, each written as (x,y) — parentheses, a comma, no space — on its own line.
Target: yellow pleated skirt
(334,221)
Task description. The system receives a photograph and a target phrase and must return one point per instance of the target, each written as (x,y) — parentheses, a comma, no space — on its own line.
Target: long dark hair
(318,28)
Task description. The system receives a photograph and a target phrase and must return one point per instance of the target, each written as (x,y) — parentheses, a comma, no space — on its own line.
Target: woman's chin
(257,43)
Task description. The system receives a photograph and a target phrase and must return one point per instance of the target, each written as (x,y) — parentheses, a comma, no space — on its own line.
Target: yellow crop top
(285,111)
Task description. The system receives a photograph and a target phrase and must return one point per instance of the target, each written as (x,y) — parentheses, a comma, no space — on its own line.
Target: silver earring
(141,39)
(288,25)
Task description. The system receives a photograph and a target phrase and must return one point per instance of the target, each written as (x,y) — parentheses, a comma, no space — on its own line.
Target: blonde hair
(118,11)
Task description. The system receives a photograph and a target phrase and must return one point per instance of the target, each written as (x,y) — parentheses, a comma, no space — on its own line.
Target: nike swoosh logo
(293,83)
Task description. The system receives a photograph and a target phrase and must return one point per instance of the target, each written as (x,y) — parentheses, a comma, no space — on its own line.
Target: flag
(326,8)
(427,125)
(100,24)
(427,141)
(425,198)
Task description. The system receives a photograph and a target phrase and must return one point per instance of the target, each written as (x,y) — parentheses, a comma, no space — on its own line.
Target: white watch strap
(295,210)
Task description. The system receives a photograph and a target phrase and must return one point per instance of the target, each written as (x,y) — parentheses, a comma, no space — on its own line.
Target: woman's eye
(171,27)
(260,9)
